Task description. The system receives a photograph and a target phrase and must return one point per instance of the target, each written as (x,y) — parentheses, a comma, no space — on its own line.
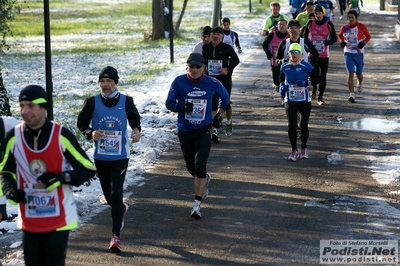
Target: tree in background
(158,20)
(7,10)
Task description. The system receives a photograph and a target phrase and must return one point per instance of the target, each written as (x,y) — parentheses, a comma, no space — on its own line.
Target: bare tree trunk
(158,20)
(4,101)
(178,24)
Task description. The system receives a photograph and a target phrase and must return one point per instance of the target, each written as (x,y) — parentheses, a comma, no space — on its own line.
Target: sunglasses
(294,52)
(195,66)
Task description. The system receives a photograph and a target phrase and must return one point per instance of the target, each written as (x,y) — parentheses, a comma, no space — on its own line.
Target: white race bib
(214,67)
(41,203)
(297,93)
(110,143)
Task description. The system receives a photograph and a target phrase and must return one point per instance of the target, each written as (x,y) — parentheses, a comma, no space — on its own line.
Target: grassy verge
(87,28)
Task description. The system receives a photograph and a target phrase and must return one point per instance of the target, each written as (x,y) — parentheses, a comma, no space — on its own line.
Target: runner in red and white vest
(42,160)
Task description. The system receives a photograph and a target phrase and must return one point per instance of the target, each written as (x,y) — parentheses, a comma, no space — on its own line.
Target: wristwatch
(67,177)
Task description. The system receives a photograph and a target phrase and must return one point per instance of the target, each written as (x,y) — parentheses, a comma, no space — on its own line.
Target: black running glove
(16,197)
(217,121)
(361,45)
(187,107)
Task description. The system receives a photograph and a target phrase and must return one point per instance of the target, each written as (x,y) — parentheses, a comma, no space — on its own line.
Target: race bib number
(199,110)
(297,93)
(319,45)
(41,203)
(214,67)
(352,41)
(110,143)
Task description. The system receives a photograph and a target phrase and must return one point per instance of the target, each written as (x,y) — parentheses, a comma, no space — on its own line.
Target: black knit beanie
(109,72)
(34,94)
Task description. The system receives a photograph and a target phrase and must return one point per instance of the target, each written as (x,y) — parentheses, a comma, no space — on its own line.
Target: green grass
(119,28)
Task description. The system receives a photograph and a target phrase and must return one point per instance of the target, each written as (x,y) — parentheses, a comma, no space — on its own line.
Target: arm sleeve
(340,35)
(85,117)
(266,43)
(237,43)
(132,113)
(234,59)
(306,30)
(171,102)
(366,33)
(282,77)
(8,166)
(83,168)
(332,33)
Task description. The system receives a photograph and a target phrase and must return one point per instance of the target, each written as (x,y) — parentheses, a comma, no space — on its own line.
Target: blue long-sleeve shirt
(199,92)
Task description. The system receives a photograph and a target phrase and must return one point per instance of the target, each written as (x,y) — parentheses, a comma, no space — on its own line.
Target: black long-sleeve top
(85,116)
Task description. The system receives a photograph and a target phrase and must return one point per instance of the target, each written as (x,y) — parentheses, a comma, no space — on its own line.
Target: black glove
(217,121)
(343,44)
(187,107)
(361,45)
(269,57)
(16,197)
(52,180)
(326,42)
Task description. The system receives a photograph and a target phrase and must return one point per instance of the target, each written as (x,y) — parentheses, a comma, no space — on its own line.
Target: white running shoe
(195,213)
(293,156)
(304,153)
(352,98)
(360,87)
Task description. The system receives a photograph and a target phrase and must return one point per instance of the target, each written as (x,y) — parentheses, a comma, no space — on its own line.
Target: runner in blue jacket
(191,95)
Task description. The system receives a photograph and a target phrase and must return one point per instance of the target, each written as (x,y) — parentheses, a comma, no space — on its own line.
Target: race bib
(199,110)
(110,143)
(319,45)
(297,93)
(214,67)
(41,203)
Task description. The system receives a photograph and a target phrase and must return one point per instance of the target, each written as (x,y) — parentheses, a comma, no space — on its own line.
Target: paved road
(262,209)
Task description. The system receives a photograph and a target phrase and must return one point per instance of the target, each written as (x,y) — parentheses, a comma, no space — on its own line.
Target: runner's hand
(16,197)
(187,107)
(361,45)
(52,180)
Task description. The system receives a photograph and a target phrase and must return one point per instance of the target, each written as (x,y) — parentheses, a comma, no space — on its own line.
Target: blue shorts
(354,62)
